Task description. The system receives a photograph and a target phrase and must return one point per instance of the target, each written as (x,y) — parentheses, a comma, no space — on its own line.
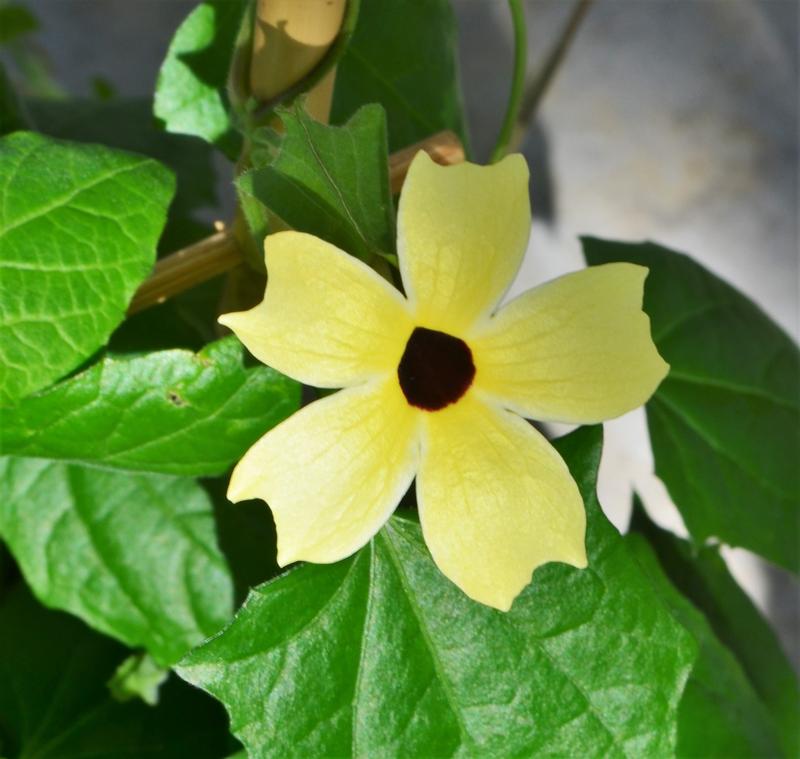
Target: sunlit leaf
(78,232)
(190,92)
(173,412)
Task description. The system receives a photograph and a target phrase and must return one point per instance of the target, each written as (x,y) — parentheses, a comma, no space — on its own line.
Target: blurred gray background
(674,120)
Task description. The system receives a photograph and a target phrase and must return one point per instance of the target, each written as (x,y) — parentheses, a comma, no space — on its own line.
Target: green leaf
(703,577)
(404,56)
(725,424)
(332,182)
(54,703)
(134,556)
(380,655)
(78,232)
(173,412)
(720,713)
(128,124)
(190,92)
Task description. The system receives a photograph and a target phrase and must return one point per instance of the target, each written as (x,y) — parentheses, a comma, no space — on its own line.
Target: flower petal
(462,233)
(327,319)
(495,501)
(576,349)
(334,472)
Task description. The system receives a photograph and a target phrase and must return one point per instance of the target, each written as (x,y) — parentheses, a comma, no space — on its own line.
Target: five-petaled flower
(437,382)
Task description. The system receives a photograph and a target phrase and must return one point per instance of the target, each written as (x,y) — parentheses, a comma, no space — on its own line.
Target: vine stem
(221,252)
(536,91)
(515,96)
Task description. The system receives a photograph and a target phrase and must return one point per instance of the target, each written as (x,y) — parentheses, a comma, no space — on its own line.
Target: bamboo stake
(221,252)
(290,38)
(187,268)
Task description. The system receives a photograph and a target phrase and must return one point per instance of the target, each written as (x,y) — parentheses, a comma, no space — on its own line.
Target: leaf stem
(517,80)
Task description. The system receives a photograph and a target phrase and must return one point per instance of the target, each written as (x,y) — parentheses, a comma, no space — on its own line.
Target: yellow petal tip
(228,320)
(237,489)
(234,495)
(579,561)
(284,559)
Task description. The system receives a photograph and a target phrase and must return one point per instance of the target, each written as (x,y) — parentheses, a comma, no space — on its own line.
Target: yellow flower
(436,384)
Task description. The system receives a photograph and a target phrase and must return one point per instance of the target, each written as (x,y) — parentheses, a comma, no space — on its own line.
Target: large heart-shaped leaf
(54,703)
(78,231)
(173,412)
(380,655)
(725,424)
(134,556)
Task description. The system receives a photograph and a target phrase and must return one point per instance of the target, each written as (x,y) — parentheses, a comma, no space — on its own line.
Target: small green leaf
(703,577)
(380,655)
(332,182)
(190,92)
(404,56)
(54,703)
(134,556)
(720,713)
(173,412)
(138,677)
(725,424)
(78,232)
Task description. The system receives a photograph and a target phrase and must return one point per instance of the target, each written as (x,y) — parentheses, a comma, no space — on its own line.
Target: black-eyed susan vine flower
(438,384)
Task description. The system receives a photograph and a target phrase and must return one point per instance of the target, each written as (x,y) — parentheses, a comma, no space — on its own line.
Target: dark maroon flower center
(436,369)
